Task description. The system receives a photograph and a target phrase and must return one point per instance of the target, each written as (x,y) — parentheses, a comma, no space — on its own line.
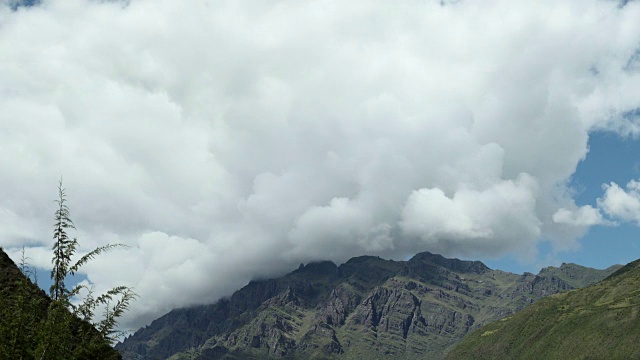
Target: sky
(226,141)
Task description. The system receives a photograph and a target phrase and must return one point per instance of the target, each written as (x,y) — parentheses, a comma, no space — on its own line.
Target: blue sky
(611,158)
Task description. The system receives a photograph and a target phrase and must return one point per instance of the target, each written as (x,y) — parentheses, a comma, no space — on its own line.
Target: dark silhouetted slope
(23,308)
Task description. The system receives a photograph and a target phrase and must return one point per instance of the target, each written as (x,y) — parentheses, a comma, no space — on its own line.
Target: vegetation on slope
(598,322)
(36,326)
(32,326)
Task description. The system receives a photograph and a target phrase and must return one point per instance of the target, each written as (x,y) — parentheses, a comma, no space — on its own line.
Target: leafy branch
(64,251)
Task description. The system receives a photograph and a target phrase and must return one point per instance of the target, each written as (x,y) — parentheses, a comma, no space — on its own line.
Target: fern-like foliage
(91,255)
(64,251)
(73,323)
(123,297)
(63,246)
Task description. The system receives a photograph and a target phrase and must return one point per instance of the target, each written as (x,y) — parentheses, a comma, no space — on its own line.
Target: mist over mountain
(367,307)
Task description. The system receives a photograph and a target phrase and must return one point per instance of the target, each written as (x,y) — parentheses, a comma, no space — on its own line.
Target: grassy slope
(598,322)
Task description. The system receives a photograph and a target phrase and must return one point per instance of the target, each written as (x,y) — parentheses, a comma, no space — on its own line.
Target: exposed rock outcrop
(365,308)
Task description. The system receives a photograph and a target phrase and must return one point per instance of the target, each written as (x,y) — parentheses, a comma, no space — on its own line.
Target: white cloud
(475,221)
(620,203)
(226,140)
(323,229)
(585,215)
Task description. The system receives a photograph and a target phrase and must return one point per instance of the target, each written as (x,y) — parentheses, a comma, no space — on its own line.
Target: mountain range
(367,307)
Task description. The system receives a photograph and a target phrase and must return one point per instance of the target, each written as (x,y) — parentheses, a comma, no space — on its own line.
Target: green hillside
(598,322)
(24,330)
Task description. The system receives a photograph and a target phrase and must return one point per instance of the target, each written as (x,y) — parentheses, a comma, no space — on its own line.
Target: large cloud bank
(227,140)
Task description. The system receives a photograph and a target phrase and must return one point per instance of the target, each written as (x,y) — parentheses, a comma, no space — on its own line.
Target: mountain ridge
(365,307)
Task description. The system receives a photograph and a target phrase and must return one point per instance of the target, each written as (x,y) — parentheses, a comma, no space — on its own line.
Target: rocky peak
(457,265)
(318,268)
(367,307)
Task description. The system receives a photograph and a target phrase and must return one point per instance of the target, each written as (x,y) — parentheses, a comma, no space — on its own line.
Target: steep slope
(598,322)
(366,307)
(23,308)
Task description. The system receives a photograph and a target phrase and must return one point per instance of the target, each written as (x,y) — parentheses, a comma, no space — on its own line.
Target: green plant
(63,325)
(114,302)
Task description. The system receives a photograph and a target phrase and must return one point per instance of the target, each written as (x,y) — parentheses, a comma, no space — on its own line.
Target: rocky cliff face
(365,308)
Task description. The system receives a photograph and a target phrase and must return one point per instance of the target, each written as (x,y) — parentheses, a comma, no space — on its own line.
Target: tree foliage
(63,325)
(21,312)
